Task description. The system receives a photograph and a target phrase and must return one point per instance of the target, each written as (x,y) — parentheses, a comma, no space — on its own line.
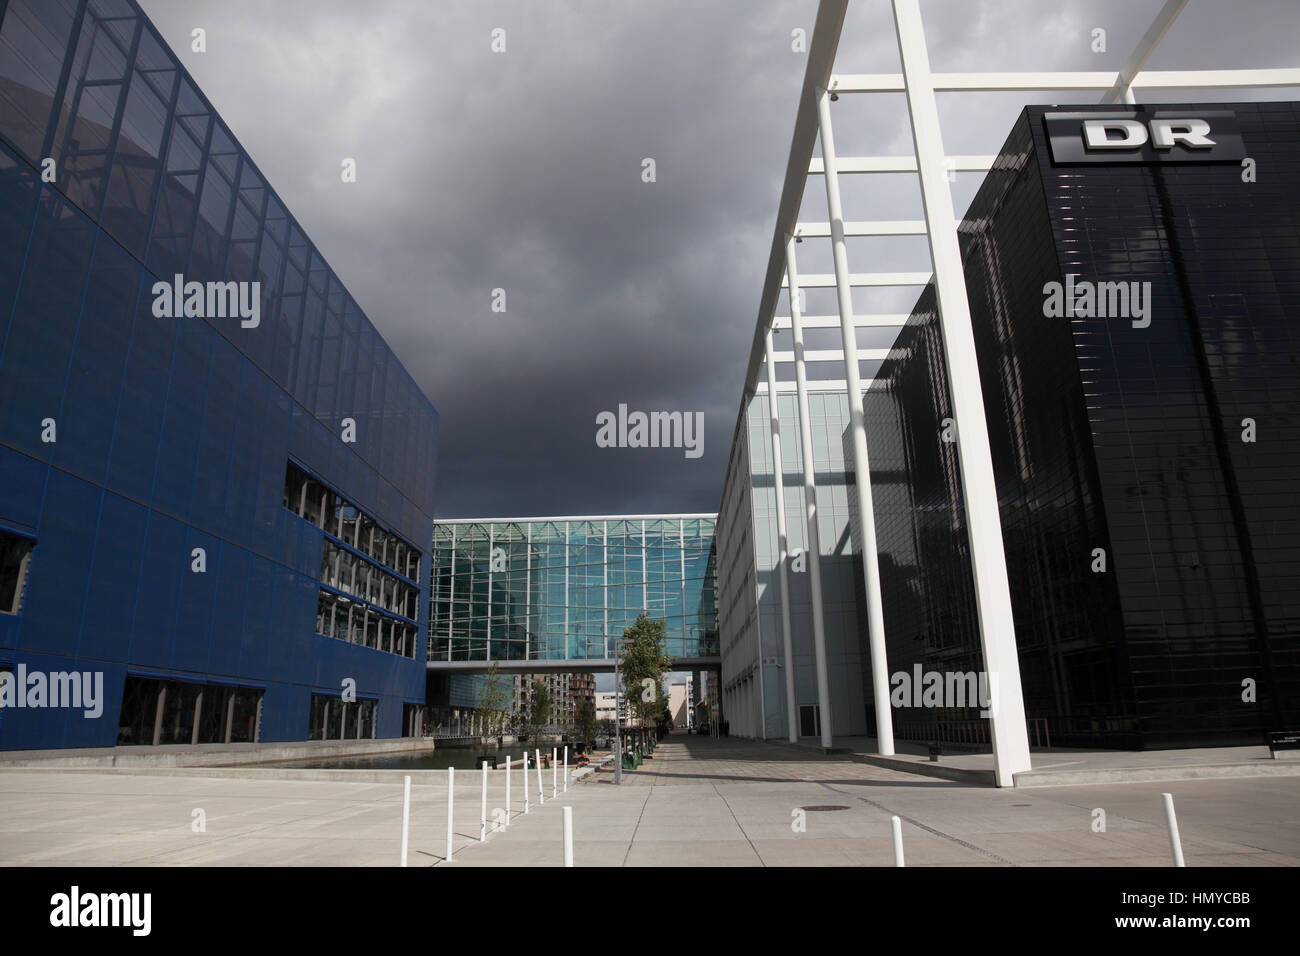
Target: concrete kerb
(1071,778)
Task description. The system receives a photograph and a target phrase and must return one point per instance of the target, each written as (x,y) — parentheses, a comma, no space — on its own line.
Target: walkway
(699,802)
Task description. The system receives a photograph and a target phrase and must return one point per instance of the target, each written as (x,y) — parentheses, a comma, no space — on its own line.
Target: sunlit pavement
(698,802)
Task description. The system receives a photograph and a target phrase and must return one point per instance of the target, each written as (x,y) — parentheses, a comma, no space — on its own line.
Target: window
(179,712)
(332,718)
(15,555)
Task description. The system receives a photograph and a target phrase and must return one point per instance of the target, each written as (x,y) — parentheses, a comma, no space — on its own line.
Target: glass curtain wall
(567,589)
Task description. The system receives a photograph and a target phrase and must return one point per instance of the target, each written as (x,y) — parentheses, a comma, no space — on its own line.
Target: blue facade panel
(128,441)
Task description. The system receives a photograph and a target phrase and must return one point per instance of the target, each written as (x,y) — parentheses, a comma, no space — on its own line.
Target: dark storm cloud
(522,171)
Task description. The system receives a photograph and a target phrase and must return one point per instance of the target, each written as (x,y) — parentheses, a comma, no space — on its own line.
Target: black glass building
(1146,443)
(225,518)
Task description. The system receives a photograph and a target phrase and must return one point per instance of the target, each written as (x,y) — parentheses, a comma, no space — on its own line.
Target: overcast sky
(522,170)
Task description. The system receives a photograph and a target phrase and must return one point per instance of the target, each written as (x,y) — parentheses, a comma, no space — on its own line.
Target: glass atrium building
(554,589)
(224,519)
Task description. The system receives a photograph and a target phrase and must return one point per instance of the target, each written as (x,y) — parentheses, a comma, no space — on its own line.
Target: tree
(584,721)
(643,665)
(537,709)
(494,700)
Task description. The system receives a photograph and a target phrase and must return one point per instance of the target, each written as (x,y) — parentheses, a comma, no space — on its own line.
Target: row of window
(345,620)
(179,712)
(347,571)
(333,718)
(309,499)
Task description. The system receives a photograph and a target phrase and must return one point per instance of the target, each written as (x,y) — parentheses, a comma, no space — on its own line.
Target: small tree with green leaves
(494,700)
(584,721)
(537,709)
(643,665)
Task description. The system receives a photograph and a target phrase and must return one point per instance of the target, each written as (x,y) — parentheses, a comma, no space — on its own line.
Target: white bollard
(406,816)
(451,800)
(482,826)
(1175,842)
(566,768)
(525,781)
(897,827)
(555,773)
(507,790)
(568,836)
(541,795)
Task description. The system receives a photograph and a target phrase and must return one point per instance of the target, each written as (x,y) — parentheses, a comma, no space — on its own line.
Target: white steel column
(451,596)
(487,651)
(783,549)
(861,463)
(604,571)
(814,550)
(528,587)
(1006,706)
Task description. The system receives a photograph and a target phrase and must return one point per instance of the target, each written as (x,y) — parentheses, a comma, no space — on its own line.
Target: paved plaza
(698,802)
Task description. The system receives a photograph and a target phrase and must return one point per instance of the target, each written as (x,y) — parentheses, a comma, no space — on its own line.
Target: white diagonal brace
(1122,91)
(1006,708)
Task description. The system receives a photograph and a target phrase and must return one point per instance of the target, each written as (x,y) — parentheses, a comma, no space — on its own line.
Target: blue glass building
(228,520)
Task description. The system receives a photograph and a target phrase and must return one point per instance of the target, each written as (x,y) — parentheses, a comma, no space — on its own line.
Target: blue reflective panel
(33,43)
(211,230)
(91,108)
(258,632)
(177,201)
(137,166)
(193,634)
(35,361)
(114,575)
(246,464)
(19,190)
(140,407)
(60,562)
(88,413)
(211,476)
(178,449)
(303,386)
(228,611)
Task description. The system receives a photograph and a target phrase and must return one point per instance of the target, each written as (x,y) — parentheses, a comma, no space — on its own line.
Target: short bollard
(525,781)
(482,825)
(568,836)
(406,816)
(451,799)
(1175,842)
(566,768)
(541,796)
(897,826)
(555,773)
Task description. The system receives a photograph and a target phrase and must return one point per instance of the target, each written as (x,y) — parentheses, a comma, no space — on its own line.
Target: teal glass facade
(566,588)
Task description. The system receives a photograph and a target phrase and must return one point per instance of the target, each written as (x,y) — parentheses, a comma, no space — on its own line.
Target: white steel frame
(1007,722)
